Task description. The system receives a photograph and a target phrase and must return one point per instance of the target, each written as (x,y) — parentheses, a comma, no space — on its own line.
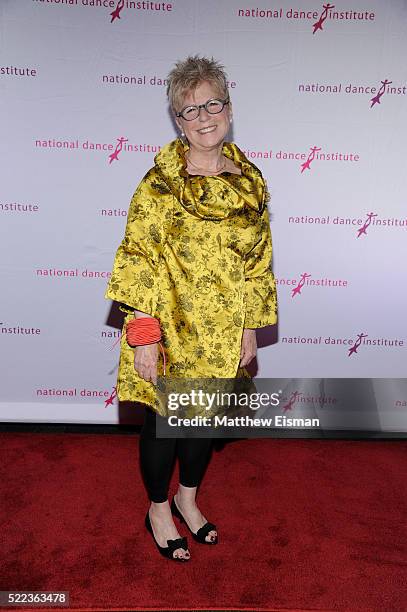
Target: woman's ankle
(159,507)
(186,497)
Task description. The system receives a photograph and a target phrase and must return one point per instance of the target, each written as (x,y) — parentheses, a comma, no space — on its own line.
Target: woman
(196,256)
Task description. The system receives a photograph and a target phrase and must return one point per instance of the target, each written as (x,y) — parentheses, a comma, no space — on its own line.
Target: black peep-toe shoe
(172,544)
(201,534)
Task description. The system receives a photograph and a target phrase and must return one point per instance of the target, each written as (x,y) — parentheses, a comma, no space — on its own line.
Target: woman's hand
(145,361)
(248,350)
(146,356)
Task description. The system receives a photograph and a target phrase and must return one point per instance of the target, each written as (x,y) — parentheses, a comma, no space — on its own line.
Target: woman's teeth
(207,130)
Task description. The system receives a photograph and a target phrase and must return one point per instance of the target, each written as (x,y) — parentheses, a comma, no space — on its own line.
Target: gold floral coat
(196,255)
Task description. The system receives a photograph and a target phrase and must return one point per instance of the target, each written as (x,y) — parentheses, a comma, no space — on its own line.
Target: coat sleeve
(134,282)
(260,286)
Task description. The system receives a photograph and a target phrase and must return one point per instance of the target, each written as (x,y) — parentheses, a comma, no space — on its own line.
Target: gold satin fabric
(197,255)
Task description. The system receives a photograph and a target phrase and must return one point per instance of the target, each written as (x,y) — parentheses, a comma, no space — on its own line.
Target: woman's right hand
(145,361)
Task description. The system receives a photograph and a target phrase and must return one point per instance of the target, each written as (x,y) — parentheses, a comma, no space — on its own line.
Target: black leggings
(157,458)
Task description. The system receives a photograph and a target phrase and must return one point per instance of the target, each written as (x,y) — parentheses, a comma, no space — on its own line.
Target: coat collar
(249,188)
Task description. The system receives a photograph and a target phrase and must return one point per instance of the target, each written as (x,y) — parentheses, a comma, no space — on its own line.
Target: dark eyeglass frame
(199,106)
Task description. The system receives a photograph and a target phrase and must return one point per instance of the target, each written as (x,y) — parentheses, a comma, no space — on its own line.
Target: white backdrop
(77,77)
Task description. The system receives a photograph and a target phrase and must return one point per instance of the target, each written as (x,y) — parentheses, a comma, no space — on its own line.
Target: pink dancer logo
(311,156)
(119,147)
(291,401)
(324,15)
(116,13)
(376,98)
(354,348)
(362,230)
(301,283)
(113,395)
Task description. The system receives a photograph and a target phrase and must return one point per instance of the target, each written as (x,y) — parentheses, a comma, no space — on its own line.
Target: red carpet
(303,524)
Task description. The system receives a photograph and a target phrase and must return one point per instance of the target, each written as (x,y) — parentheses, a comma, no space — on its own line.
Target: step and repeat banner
(319,96)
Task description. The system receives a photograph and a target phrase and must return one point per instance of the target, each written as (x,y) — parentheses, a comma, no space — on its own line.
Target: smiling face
(206,132)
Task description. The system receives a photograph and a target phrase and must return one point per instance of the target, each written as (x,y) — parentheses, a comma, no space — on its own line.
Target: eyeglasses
(213,107)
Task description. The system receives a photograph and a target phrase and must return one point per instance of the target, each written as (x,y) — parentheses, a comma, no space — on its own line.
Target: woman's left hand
(248,350)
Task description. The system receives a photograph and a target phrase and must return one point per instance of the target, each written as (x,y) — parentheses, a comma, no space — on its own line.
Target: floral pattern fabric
(196,255)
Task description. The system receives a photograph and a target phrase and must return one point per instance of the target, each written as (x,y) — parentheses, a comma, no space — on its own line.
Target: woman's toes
(211,537)
(181,554)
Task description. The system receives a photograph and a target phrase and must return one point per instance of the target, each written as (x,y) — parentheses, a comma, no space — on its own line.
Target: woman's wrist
(138,314)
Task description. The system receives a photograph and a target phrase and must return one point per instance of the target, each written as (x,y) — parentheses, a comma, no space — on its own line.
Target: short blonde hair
(189,73)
